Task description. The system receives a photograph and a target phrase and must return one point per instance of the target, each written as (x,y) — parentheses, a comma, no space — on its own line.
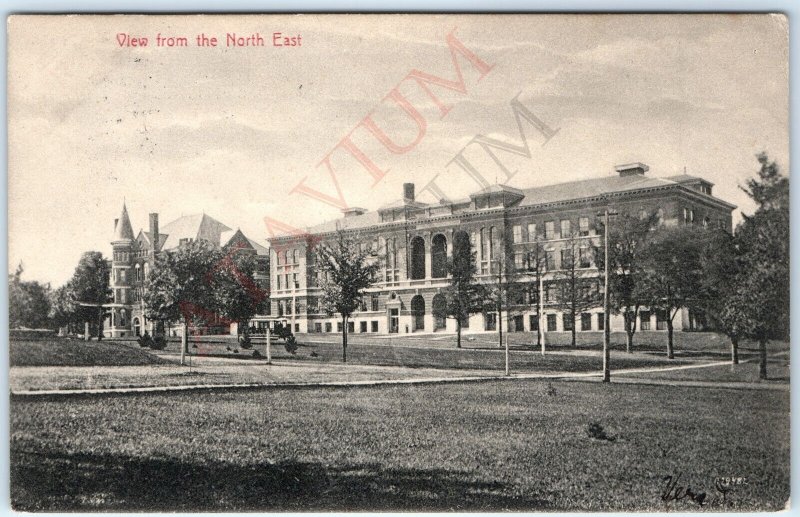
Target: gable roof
(239,236)
(195,226)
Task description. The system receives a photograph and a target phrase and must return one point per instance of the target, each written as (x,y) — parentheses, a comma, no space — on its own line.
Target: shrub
(244,341)
(145,340)
(291,344)
(256,354)
(159,343)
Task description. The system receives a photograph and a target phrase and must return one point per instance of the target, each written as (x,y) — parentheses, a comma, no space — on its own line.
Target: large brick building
(134,255)
(413,241)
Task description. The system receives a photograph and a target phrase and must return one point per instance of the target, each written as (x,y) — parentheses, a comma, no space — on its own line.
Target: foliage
(29,302)
(504,286)
(596,431)
(672,272)
(627,242)
(347,270)
(63,307)
(158,343)
(464,295)
(90,285)
(291,344)
(245,342)
(759,302)
(237,297)
(145,340)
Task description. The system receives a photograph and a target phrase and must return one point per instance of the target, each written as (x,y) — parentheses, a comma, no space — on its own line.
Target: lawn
(73,352)
(385,354)
(522,445)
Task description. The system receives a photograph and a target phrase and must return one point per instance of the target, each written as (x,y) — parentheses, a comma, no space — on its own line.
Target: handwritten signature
(677,491)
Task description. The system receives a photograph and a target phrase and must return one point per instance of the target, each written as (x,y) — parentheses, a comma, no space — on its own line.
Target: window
(586,321)
(278,282)
(490,320)
(351,326)
(688,215)
(517,233)
(534,322)
(338,326)
(550,292)
(551,323)
(296,328)
(318,327)
(585,259)
(363,327)
(374,326)
(531,232)
(661,320)
(549,230)
(583,226)
(645,320)
(565,230)
(374,302)
(550,260)
(328,326)
(566,258)
(295,283)
(601,321)
(518,261)
(567,321)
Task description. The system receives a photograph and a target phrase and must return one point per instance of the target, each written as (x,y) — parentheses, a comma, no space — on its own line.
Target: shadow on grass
(69,482)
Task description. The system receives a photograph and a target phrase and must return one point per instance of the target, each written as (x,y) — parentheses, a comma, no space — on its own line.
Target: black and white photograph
(398,262)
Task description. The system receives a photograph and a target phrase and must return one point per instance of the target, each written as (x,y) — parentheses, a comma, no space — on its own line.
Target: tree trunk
(762,363)
(735,349)
(344,340)
(670,349)
(573,332)
(184,340)
(458,332)
(500,325)
(629,341)
(629,330)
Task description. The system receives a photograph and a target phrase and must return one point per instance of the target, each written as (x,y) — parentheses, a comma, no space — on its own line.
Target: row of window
(363,327)
(549,233)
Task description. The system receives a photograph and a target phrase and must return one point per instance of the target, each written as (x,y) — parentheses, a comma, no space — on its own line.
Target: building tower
(121,276)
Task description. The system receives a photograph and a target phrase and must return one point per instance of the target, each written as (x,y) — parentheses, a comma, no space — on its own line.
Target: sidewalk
(214,373)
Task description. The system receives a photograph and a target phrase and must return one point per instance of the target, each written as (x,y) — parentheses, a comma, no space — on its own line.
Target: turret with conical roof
(123,231)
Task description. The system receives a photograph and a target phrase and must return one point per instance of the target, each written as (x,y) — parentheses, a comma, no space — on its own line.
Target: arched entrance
(418,313)
(439,306)
(417,258)
(439,256)
(137,327)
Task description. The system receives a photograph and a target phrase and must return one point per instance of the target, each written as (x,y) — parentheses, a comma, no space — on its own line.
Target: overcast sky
(231,131)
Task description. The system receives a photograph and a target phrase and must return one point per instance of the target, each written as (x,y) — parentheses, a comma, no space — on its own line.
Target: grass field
(384,354)
(73,352)
(489,446)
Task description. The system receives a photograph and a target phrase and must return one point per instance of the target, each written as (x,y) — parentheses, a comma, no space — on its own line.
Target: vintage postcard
(395,262)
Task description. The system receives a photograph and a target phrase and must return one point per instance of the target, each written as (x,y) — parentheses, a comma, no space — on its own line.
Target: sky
(240,133)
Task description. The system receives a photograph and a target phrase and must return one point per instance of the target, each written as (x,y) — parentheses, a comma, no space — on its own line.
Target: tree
(535,261)
(179,287)
(63,309)
(236,294)
(347,271)
(504,287)
(627,238)
(463,295)
(28,302)
(763,279)
(721,268)
(91,290)
(577,287)
(671,273)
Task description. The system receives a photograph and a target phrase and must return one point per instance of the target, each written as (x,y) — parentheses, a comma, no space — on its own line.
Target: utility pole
(541,310)
(606,331)
(269,350)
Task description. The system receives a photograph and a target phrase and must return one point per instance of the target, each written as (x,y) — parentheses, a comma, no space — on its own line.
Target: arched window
(439,256)
(418,312)
(439,310)
(417,258)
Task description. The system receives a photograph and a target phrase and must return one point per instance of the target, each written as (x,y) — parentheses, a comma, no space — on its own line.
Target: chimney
(408,192)
(631,169)
(353,211)
(154,230)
